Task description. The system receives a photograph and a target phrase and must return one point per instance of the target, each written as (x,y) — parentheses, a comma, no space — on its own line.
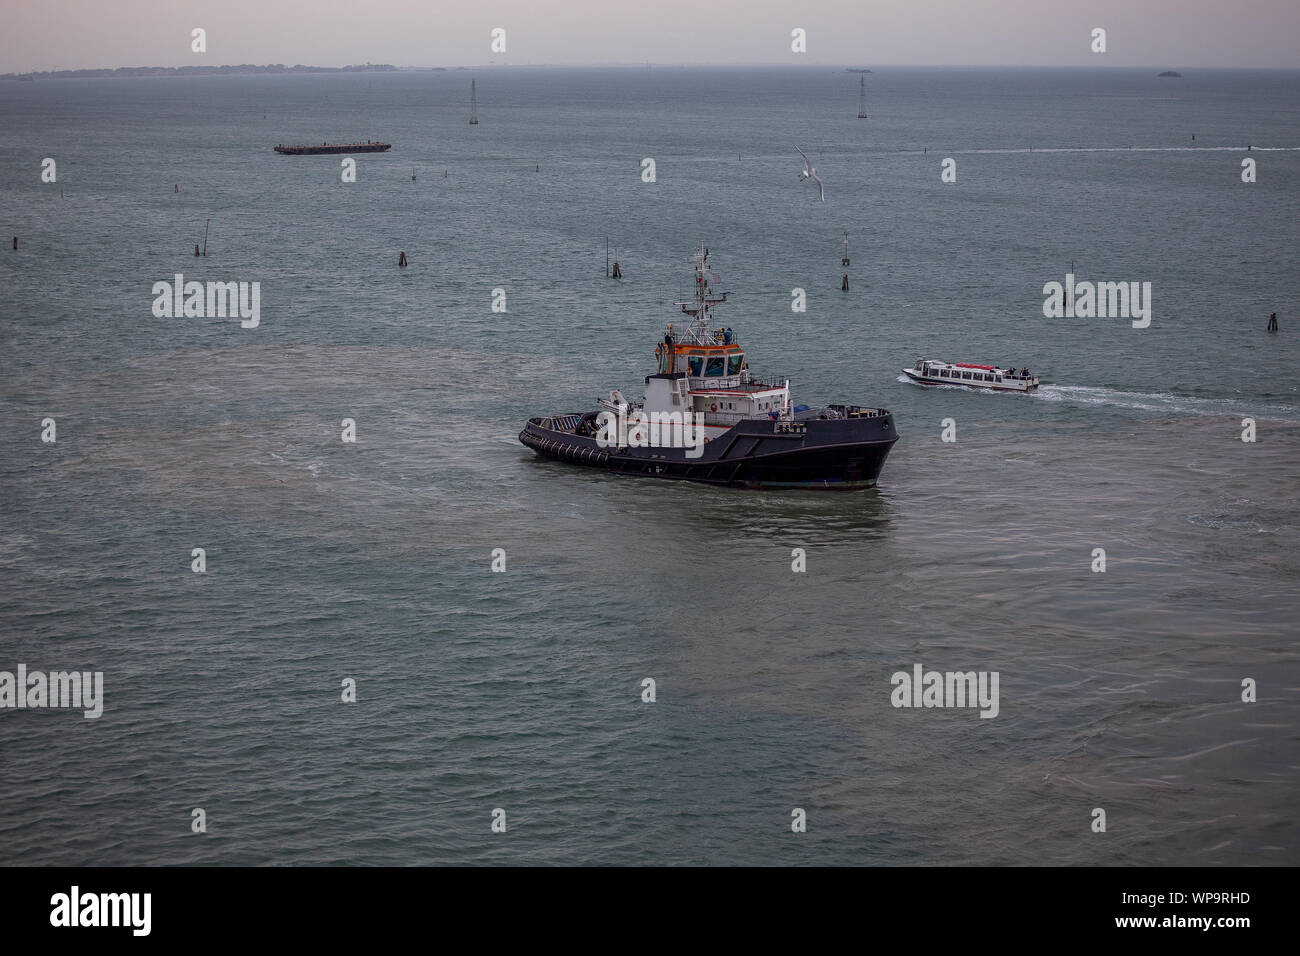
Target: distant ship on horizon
(334,148)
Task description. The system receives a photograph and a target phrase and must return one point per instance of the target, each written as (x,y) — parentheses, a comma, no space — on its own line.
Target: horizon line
(389,67)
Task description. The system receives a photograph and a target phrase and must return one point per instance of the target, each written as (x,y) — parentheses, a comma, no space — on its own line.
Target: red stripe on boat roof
(987,368)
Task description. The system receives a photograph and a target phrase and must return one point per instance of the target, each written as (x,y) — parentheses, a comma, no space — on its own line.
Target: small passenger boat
(931,372)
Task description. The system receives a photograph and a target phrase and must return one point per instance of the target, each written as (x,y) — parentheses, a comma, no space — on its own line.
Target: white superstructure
(703,370)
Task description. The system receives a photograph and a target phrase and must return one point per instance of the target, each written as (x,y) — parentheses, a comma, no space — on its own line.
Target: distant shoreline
(279,69)
(241,69)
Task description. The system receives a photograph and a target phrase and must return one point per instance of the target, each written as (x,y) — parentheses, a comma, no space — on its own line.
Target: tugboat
(930,372)
(707,418)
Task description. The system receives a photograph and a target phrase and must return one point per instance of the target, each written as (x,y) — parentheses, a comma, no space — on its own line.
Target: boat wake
(1160,403)
(1164,402)
(1136,149)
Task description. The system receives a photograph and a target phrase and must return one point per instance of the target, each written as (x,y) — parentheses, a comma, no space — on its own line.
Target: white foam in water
(1137,149)
(1164,402)
(1161,402)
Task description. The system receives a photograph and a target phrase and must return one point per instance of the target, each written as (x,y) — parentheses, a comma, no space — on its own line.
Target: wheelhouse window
(696,363)
(734,362)
(715,367)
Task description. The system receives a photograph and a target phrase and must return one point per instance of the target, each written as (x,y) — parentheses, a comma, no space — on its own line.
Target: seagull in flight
(810,173)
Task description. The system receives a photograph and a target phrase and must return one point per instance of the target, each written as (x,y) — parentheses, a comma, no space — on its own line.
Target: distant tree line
(198,71)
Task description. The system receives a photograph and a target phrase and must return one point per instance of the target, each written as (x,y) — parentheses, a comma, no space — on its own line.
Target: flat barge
(333,149)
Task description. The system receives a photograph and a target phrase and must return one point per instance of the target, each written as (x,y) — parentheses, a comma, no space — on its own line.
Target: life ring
(713,407)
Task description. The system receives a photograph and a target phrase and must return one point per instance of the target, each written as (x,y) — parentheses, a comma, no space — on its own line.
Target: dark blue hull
(842,452)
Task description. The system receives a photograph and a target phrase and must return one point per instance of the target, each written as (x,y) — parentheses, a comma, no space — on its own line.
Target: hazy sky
(71,34)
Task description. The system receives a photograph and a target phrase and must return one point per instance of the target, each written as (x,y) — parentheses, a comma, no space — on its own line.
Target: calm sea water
(477,690)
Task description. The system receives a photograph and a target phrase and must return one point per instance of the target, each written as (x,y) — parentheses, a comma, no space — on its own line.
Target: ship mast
(473,104)
(862,97)
(705,296)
